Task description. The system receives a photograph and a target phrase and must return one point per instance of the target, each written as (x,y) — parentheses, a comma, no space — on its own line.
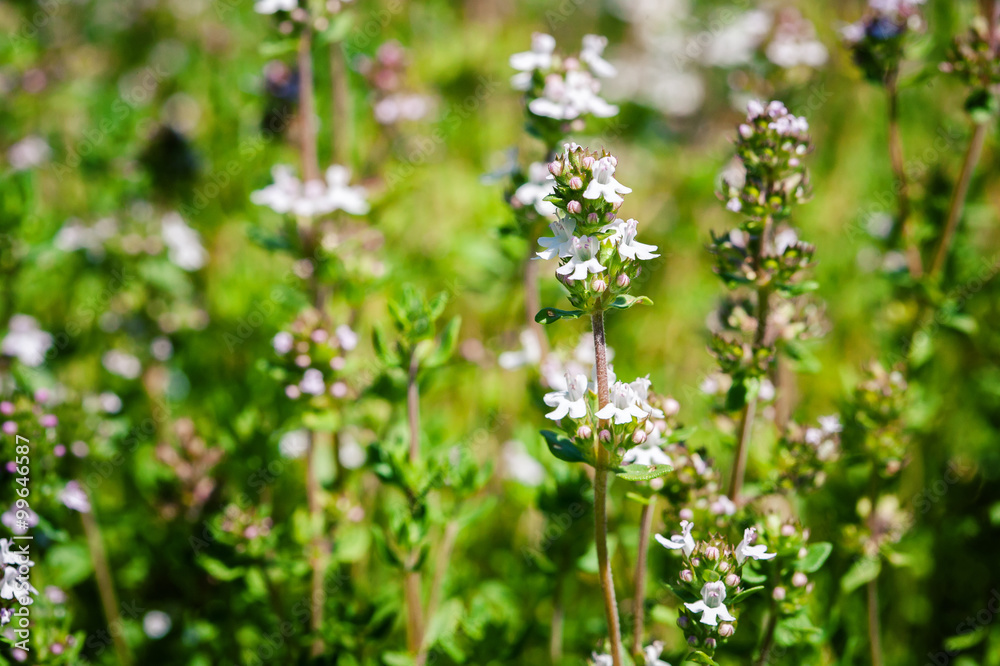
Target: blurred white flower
(352,454)
(15,586)
(312,382)
(294,444)
(161,348)
(340,195)
(794,42)
(647,453)
(347,338)
(651,653)
(745,550)
(25,341)
(569,97)
(530,353)
(74,497)
(400,107)
(29,152)
(184,248)
(539,185)
(272,6)
(540,55)
(122,364)
(592,54)
(156,624)
(522,466)
(282,342)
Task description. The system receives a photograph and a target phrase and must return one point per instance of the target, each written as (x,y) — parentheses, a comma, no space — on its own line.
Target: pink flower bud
(605,435)
(799,579)
(639,436)
(622,280)
(746,131)
(723,566)
(42,395)
(9,427)
(778,594)
(587,162)
(598,285)
(687,575)
(712,553)
(575,183)
(710,643)
(787,530)
(574,207)
(687,514)
(6,408)
(592,218)
(48,421)
(584,432)
(683,621)
(732,580)
(726,630)
(556,168)
(803,552)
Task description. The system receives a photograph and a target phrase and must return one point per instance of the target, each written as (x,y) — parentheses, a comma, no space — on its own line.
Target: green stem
(958,196)
(600,496)
(639,604)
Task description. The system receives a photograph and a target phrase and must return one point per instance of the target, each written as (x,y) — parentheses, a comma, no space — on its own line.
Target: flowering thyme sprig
(879,38)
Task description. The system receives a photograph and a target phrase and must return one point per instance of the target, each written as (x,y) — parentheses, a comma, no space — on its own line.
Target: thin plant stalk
(874,628)
(105,583)
(413,409)
(532,304)
(958,196)
(558,620)
(600,496)
(750,408)
(412,583)
(639,609)
(440,571)
(340,109)
(307,109)
(768,642)
(902,185)
(317,555)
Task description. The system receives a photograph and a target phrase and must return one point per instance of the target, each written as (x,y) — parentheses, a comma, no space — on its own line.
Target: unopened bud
(574,207)
(799,579)
(787,530)
(683,621)
(605,435)
(556,168)
(712,553)
(726,630)
(723,566)
(687,575)
(746,131)
(710,643)
(778,594)
(587,162)
(622,280)
(575,183)
(687,514)
(598,285)
(592,218)
(584,432)
(639,436)
(732,580)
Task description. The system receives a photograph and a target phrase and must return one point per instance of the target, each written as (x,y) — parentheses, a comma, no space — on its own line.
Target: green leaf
(864,570)
(383,348)
(753,576)
(684,594)
(338,29)
(643,472)
(218,570)
(746,593)
(699,657)
(69,563)
(562,448)
(625,301)
(446,347)
(549,315)
(397,659)
(682,434)
(736,397)
(965,641)
(815,557)
(280,48)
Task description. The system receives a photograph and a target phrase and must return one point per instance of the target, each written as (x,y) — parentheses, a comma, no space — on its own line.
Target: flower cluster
(770,147)
(16,571)
(973,59)
(314,198)
(805,453)
(182,244)
(712,574)
(192,461)
(780,264)
(877,40)
(879,401)
(314,355)
(386,75)
(787,575)
(562,90)
(598,252)
(631,418)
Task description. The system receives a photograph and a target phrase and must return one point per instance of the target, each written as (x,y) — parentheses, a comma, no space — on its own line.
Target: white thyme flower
(25,341)
(723,506)
(641,386)
(652,653)
(15,586)
(604,183)
(289,195)
(683,541)
(184,248)
(628,246)
(74,497)
(540,55)
(340,195)
(560,244)
(583,260)
(572,401)
(745,550)
(711,605)
(571,96)
(540,184)
(592,54)
(624,406)
(272,6)
(11,555)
